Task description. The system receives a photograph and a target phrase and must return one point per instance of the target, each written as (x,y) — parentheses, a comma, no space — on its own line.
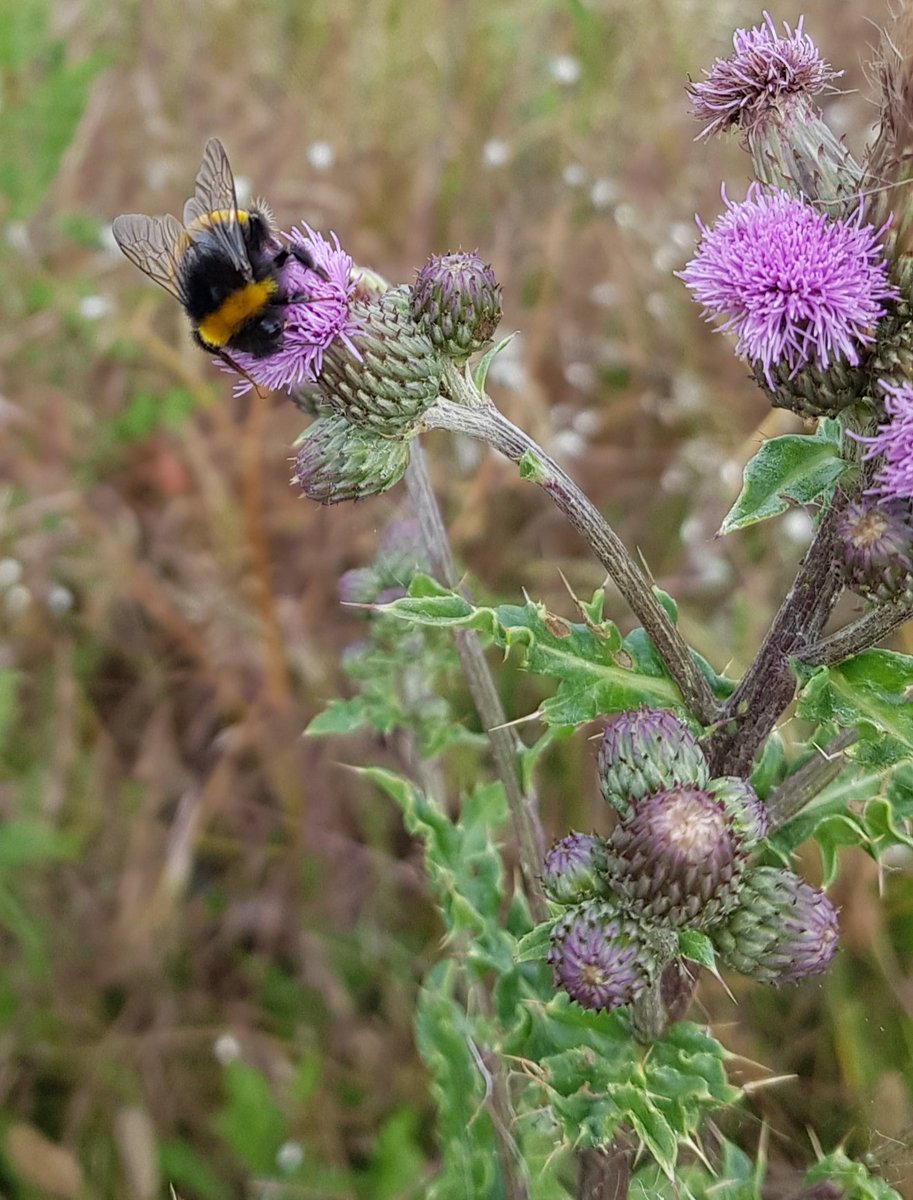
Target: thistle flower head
(570,872)
(893,443)
(647,750)
(765,70)
(456,300)
(599,958)
(676,858)
(783,930)
(794,285)
(312,325)
(876,537)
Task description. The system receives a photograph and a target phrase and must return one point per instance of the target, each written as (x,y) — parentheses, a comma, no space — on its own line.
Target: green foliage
(251,1122)
(797,468)
(43,97)
(598,671)
(870,692)
(853,1177)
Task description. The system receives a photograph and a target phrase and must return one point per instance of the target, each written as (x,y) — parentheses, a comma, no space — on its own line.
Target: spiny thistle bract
(338,461)
(876,536)
(741,804)
(676,858)
(647,750)
(387,373)
(782,931)
(457,302)
(600,958)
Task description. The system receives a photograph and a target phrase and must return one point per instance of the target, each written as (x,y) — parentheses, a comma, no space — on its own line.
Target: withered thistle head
(876,536)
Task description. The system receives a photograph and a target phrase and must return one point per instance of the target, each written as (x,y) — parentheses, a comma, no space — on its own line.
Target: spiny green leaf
(480,373)
(872,691)
(797,467)
(537,943)
(339,716)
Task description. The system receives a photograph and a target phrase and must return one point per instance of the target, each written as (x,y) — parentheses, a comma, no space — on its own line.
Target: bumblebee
(224,264)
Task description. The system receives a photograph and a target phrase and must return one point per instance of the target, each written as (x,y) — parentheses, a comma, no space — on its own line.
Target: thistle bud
(783,930)
(337,461)
(600,958)
(385,375)
(571,869)
(647,750)
(741,804)
(676,858)
(877,548)
(457,301)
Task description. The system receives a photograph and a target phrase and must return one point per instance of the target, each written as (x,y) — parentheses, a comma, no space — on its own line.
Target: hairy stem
(803,785)
(487,424)
(503,741)
(858,635)
(769,685)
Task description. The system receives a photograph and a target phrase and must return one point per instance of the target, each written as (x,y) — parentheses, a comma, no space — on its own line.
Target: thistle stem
(769,685)
(503,741)
(803,785)
(859,635)
(484,422)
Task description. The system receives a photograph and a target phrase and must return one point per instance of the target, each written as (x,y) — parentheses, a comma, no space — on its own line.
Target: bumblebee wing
(214,205)
(153,245)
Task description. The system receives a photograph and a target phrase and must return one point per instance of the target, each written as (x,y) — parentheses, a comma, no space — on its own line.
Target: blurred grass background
(211,934)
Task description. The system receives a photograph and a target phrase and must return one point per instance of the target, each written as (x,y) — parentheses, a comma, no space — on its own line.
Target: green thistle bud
(571,871)
(337,461)
(457,301)
(877,543)
(387,374)
(782,931)
(812,391)
(647,750)
(741,804)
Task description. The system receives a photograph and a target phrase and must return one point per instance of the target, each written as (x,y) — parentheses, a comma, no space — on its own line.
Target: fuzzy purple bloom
(598,957)
(796,287)
(894,443)
(570,870)
(312,325)
(765,68)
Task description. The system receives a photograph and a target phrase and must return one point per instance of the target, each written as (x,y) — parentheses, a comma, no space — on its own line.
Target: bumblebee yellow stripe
(220,327)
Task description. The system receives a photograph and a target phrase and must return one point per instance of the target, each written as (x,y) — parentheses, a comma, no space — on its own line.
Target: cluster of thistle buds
(383,368)
(813,273)
(682,856)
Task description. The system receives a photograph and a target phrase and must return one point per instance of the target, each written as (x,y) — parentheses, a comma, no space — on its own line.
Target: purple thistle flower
(570,869)
(598,957)
(894,443)
(312,325)
(765,68)
(795,286)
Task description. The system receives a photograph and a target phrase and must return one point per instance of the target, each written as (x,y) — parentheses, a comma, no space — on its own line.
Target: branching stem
(484,422)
